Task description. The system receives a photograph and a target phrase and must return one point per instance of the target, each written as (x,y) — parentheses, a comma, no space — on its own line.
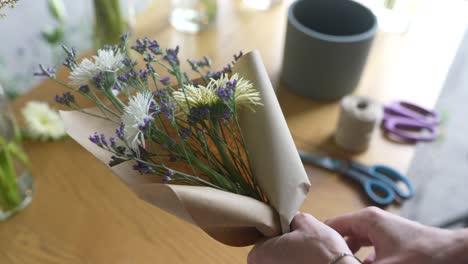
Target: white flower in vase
(42,122)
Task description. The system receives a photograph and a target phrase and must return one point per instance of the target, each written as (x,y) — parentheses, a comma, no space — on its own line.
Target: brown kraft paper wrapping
(229,218)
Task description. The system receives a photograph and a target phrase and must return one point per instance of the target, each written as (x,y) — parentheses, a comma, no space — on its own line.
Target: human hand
(399,241)
(309,241)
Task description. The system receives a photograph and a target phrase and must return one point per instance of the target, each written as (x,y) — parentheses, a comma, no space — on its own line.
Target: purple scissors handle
(410,122)
(411,111)
(409,129)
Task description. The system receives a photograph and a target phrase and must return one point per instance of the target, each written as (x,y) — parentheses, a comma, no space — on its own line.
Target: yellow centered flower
(243,93)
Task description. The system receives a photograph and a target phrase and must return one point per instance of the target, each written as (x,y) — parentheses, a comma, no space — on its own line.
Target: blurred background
(20,53)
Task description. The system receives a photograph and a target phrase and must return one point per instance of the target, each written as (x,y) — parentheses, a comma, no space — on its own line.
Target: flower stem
(10,196)
(109,22)
(233,171)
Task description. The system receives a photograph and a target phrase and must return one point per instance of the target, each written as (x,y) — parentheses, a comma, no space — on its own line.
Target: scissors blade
(321,161)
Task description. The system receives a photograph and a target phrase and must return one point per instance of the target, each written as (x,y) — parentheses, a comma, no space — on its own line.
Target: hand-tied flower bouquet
(188,142)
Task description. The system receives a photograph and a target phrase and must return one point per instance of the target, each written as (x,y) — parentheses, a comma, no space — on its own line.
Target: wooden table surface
(81,213)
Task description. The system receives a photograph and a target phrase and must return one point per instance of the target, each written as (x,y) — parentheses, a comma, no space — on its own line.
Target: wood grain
(81,213)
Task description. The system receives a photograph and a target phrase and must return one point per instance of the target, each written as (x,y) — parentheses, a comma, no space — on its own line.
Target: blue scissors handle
(391,177)
(377,191)
(388,176)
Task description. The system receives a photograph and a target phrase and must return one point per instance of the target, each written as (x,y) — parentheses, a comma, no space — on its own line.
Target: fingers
(370,259)
(353,244)
(360,225)
(252,256)
(303,221)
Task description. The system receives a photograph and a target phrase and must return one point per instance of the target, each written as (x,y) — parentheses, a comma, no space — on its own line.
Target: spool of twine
(359,117)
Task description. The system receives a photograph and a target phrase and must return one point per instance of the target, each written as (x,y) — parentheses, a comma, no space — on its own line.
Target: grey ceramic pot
(327,43)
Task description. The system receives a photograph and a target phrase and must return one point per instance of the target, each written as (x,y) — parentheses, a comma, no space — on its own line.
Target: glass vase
(192,16)
(16,183)
(110,22)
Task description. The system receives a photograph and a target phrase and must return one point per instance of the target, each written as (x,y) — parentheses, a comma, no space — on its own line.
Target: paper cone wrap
(230,218)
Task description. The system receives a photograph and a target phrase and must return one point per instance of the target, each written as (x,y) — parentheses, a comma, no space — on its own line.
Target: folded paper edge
(271,145)
(243,231)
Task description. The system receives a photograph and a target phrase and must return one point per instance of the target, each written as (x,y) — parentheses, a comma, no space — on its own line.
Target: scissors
(379,182)
(409,122)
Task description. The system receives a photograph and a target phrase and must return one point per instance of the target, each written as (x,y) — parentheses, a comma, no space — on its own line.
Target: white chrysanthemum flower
(192,96)
(106,61)
(136,116)
(244,93)
(42,122)
(83,73)
(109,61)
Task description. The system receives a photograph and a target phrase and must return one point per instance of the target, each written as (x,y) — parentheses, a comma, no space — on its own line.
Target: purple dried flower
(168,176)
(131,75)
(144,74)
(128,62)
(168,109)
(184,133)
(69,62)
(171,56)
(149,57)
(207,61)
(95,138)
(143,168)
(119,131)
(165,80)
(65,99)
(198,114)
(121,78)
(161,93)
(116,161)
(214,75)
(238,56)
(224,93)
(145,125)
(49,72)
(227,69)
(226,116)
(153,46)
(124,36)
(199,64)
(153,109)
(232,84)
(112,142)
(140,46)
(103,139)
(84,89)
(99,79)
